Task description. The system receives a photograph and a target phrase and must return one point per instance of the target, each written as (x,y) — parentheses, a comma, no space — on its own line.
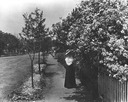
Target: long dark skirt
(70,81)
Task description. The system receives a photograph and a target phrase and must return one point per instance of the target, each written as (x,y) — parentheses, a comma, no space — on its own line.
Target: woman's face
(69,60)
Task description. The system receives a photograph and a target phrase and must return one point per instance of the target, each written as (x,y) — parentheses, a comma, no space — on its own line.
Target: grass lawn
(13,72)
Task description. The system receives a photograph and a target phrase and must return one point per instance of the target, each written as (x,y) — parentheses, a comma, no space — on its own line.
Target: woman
(70,81)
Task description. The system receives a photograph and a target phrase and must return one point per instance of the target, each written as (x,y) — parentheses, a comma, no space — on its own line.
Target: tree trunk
(39,62)
(32,73)
(43,58)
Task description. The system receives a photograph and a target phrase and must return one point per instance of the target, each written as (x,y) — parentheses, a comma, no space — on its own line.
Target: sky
(11,11)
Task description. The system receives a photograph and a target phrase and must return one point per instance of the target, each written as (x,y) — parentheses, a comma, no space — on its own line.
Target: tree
(39,30)
(30,34)
(9,44)
(46,47)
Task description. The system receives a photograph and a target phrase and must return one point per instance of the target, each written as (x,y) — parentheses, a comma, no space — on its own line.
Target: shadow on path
(55,90)
(49,64)
(80,95)
(52,74)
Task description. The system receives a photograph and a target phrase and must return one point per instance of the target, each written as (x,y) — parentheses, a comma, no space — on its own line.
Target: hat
(69,53)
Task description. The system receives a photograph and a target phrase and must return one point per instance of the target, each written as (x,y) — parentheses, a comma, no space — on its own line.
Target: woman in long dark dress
(70,81)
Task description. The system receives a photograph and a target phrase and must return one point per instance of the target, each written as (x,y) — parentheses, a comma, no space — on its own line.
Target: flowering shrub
(101,35)
(116,58)
(98,32)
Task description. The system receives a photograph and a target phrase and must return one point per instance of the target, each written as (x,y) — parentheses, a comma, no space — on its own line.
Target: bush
(98,32)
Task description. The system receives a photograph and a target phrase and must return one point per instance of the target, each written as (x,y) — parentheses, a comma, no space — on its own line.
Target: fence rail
(111,90)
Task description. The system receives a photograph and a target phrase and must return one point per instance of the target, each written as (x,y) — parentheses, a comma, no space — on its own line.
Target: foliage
(34,31)
(99,34)
(61,30)
(46,44)
(33,35)
(30,34)
(9,43)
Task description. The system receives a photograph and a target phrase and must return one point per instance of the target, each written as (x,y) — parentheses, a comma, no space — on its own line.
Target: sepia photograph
(63,50)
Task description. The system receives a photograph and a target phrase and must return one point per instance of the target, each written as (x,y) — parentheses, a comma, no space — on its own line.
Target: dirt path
(55,91)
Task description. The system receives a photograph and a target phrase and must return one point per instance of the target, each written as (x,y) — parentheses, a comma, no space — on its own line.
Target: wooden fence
(111,90)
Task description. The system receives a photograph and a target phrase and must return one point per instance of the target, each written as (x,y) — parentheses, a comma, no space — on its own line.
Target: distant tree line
(9,44)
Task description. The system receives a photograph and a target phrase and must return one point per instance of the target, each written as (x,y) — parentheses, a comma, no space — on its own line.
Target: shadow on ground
(80,95)
(49,64)
(50,74)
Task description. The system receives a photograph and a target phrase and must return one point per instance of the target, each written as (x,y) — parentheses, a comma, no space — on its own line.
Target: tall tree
(32,34)
(39,30)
